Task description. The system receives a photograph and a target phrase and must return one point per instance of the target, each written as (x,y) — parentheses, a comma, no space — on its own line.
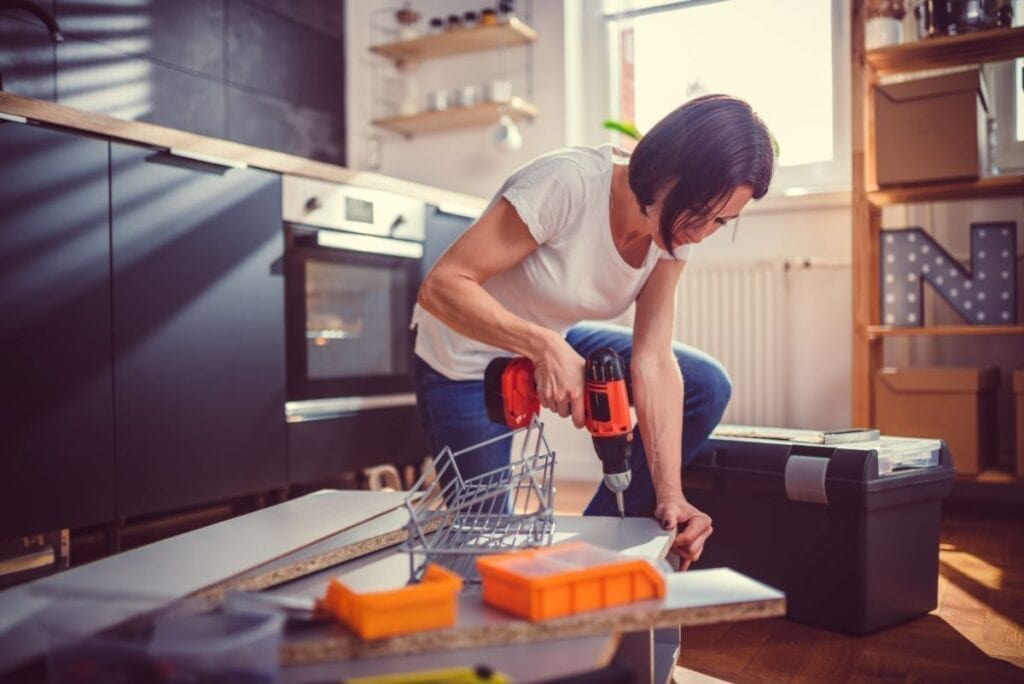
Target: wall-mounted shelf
(933,53)
(996,186)
(457,42)
(878,331)
(457,117)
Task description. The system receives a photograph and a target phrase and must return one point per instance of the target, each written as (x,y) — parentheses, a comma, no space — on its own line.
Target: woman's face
(696,232)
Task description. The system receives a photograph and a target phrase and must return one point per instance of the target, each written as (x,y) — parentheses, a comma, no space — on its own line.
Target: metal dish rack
(452,520)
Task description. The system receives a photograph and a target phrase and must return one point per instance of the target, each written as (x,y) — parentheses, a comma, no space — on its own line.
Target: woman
(581,234)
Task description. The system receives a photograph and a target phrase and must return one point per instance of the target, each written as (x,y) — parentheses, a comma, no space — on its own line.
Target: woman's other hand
(559,377)
(693,528)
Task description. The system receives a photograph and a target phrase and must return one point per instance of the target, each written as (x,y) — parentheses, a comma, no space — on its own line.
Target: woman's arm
(658,395)
(452,292)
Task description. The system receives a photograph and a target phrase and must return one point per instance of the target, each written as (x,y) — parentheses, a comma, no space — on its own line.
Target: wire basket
(452,520)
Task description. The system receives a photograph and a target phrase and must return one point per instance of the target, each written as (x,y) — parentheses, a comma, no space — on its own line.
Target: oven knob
(313,203)
(396,224)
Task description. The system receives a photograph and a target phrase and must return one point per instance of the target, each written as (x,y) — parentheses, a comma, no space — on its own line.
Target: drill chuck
(614,453)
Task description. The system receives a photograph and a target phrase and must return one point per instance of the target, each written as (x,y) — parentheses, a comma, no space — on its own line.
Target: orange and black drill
(510,395)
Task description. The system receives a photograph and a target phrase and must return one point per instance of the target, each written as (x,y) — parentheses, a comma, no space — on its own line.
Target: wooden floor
(975,635)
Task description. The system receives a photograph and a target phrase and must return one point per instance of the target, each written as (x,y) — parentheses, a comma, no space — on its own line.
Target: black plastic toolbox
(853,550)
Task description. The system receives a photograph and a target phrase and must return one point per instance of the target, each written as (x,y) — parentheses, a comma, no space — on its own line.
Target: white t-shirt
(575,274)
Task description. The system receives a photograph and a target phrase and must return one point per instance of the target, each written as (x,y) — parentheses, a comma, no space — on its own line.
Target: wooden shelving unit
(456,117)
(997,186)
(868,198)
(934,53)
(879,331)
(457,42)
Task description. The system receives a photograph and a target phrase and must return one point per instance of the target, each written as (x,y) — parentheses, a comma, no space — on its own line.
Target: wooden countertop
(53,114)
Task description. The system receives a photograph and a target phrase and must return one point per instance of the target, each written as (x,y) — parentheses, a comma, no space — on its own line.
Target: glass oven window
(355,320)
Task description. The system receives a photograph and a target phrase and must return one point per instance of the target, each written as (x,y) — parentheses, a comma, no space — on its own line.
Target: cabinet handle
(195,161)
(313,203)
(13,118)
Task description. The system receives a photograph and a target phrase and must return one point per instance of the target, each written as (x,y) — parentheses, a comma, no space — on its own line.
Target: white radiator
(736,312)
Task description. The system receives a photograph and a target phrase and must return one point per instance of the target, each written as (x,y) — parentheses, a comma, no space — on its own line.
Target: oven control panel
(322,204)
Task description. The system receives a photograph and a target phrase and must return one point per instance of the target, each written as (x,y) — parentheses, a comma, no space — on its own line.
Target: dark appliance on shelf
(353,266)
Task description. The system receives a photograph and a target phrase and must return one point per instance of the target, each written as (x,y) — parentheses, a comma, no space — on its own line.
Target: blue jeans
(454,415)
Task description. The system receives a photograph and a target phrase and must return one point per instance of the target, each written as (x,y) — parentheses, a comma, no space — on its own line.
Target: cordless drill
(510,395)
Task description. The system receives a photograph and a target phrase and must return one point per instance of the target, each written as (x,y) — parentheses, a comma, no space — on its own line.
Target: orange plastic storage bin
(566,579)
(431,604)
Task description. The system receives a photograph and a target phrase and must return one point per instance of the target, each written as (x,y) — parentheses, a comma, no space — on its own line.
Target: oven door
(349,300)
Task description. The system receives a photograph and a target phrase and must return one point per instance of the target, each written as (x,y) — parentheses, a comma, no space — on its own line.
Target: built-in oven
(353,265)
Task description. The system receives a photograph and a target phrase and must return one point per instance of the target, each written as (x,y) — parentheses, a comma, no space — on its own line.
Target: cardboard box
(957,405)
(932,129)
(1018,389)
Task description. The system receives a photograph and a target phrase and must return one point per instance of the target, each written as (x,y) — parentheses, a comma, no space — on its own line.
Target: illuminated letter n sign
(985,295)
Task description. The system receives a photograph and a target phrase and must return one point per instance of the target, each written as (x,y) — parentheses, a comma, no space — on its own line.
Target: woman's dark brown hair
(698,155)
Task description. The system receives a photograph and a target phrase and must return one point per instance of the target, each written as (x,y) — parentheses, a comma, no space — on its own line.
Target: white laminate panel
(103,593)
(715,587)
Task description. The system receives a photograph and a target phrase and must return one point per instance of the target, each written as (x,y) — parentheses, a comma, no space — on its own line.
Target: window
(1018,88)
(788,58)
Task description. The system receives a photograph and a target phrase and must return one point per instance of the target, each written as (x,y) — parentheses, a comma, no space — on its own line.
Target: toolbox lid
(901,453)
(947,379)
(870,475)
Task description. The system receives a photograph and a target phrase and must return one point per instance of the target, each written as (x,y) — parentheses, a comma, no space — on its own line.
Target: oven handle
(371,244)
(319,409)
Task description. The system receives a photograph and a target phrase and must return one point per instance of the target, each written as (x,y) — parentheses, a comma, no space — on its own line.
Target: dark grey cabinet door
(56,441)
(198,309)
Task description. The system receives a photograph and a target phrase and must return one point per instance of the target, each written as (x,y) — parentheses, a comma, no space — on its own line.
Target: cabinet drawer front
(198,333)
(56,444)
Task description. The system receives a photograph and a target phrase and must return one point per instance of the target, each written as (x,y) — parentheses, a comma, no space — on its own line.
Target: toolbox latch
(805,479)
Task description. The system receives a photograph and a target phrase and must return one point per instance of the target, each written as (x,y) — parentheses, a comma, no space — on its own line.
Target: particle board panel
(383,532)
(98,595)
(545,661)
(696,597)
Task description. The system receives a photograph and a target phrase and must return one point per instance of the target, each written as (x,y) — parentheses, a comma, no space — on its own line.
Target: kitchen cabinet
(442,227)
(198,331)
(56,445)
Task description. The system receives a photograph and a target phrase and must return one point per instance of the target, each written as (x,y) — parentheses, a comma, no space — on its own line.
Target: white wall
(460,160)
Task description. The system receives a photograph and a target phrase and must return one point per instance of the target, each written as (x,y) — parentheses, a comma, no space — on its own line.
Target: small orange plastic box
(431,604)
(566,579)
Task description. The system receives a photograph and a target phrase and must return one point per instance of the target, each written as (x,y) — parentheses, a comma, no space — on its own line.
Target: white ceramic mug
(498,91)
(882,31)
(437,100)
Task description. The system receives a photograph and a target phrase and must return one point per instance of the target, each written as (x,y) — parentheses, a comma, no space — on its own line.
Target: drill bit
(621,503)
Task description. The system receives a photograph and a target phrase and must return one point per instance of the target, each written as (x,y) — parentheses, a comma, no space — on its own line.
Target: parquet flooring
(975,635)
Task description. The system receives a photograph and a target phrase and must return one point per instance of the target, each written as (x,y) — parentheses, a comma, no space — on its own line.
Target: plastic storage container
(566,579)
(854,549)
(431,604)
(219,646)
(226,645)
